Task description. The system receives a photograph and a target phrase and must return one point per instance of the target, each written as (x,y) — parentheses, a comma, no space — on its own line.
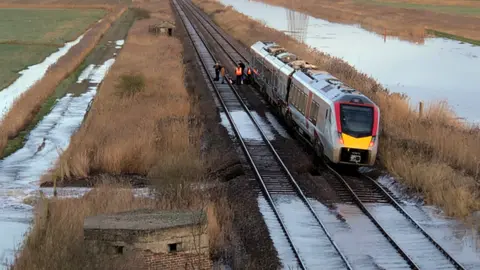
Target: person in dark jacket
(217,68)
(242,66)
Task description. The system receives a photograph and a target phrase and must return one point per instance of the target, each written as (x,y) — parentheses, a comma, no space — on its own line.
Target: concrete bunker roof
(165,24)
(145,219)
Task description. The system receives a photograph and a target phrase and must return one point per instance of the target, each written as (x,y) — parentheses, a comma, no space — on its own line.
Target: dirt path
(105,49)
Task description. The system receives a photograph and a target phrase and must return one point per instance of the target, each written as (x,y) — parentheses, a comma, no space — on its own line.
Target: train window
(314,112)
(259,65)
(301,102)
(295,96)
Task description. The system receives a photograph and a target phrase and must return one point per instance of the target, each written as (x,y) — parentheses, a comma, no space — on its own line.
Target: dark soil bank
(248,245)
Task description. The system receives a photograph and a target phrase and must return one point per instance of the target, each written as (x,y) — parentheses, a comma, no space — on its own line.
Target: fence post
(420,109)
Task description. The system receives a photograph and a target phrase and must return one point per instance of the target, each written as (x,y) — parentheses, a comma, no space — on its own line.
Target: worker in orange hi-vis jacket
(238,73)
(249,75)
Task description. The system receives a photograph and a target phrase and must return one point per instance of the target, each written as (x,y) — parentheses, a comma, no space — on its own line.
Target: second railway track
(317,249)
(389,216)
(413,244)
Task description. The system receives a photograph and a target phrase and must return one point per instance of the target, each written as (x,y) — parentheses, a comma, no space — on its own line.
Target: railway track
(275,180)
(394,222)
(234,51)
(413,244)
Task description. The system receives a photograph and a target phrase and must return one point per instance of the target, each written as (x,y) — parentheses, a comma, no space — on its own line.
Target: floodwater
(438,69)
(29,76)
(247,128)
(21,171)
(458,238)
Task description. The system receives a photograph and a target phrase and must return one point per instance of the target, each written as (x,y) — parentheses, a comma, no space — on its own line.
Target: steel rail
(206,19)
(194,10)
(291,178)
(277,157)
(237,132)
(410,218)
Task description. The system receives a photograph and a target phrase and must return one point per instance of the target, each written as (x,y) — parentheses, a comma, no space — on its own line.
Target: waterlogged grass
(18,142)
(14,58)
(55,26)
(454,37)
(449,9)
(28,36)
(13,145)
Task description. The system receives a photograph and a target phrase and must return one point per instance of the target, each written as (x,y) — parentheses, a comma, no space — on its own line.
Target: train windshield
(357,121)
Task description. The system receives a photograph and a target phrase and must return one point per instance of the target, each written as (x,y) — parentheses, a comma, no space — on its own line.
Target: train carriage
(341,123)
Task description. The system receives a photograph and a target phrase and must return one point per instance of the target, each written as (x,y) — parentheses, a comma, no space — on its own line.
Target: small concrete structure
(164,27)
(165,239)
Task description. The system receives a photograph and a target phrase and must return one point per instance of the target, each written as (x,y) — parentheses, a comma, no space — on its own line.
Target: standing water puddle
(21,171)
(438,69)
(29,76)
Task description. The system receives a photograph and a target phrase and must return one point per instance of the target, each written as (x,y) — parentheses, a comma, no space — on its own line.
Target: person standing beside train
(217,68)
(242,66)
(249,75)
(238,73)
(222,73)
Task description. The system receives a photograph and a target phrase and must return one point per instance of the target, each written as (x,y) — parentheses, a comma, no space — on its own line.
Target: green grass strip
(454,37)
(19,141)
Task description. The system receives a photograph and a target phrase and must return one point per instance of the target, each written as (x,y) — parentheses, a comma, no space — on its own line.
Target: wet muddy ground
(249,240)
(20,172)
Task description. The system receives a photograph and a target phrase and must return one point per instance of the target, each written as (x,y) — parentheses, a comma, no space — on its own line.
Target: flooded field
(438,69)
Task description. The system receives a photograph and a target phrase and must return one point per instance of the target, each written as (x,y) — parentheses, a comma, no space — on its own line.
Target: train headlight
(340,139)
(372,141)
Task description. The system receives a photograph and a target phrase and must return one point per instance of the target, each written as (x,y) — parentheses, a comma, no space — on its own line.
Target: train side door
(328,130)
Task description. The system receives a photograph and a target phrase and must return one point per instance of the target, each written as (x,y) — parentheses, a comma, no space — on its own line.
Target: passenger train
(341,123)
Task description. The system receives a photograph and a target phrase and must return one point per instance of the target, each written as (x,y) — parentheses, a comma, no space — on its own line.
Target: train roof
(318,81)
(325,84)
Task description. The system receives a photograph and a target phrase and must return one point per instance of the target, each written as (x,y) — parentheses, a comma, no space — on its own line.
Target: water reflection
(439,69)
(297,24)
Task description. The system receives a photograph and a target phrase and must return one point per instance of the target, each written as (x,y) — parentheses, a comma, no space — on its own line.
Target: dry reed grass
(27,105)
(409,145)
(151,133)
(408,24)
(55,240)
(108,7)
(464,3)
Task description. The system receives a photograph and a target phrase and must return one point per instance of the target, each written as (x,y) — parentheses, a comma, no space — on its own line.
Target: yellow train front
(341,123)
(356,128)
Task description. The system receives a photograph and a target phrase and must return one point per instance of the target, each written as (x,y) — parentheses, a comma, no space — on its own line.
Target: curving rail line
(360,191)
(367,192)
(224,41)
(273,176)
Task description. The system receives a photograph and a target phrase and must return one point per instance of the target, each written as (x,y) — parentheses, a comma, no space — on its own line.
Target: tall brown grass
(27,105)
(55,240)
(434,154)
(145,132)
(407,24)
(47,5)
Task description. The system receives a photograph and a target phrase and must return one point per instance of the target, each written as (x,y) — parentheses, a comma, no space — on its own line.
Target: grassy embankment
(140,122)
(28,105)
(30,35)
(434,155)
(407,20)
(69,84)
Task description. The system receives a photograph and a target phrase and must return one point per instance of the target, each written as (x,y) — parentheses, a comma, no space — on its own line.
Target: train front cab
(357,134)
